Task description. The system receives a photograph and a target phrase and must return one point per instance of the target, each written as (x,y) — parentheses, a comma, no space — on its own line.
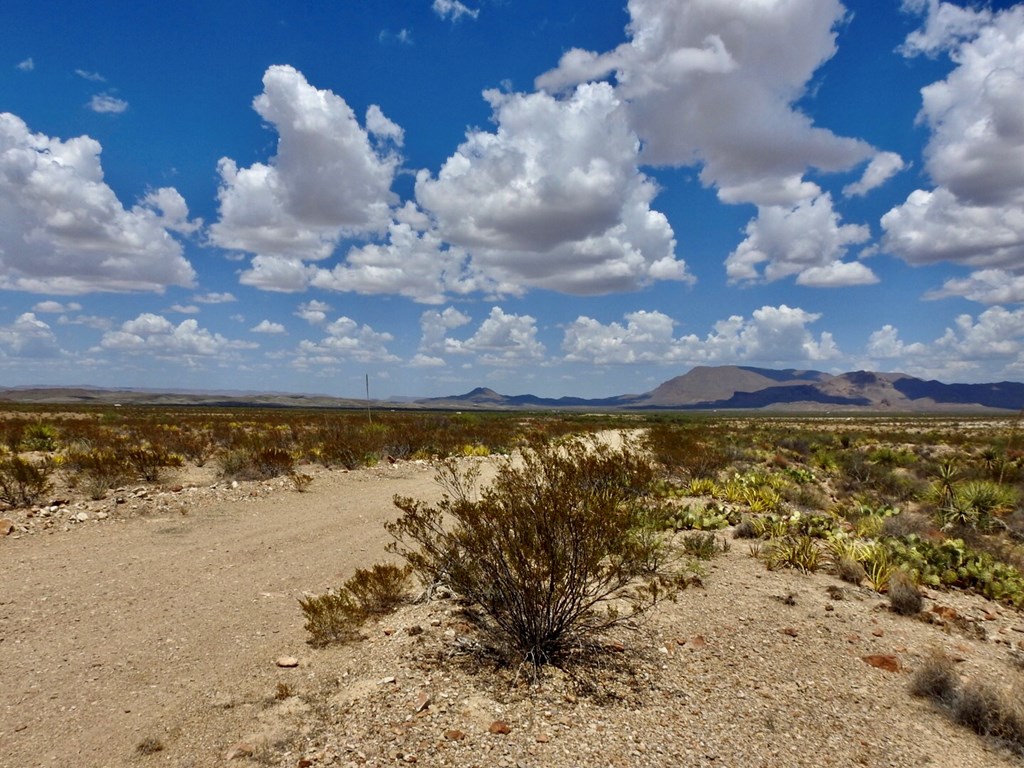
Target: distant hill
(726,387)
(747,388)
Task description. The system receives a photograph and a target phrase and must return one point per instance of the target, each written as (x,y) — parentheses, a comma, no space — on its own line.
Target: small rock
(616,646)
(422,702)
(81,517)
(388,680)
(945,612)
(6,526)
(241,749)
(414,630)
(389,631)
(102,515)
(454,734)
(543,738)
(790,631)
(878,633)
(883,661)
(500,727)
(287,662)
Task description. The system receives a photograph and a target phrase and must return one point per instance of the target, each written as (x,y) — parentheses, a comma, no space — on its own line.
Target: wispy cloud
(27,65)
(94,77)
(106,104)
(454,10)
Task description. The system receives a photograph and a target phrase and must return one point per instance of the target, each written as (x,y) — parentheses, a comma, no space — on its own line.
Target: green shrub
(332,617)
(22,482)
(703,545)
(39,436)
(149,461)
(97,469)
(255,463)
(338,615)
(548,553)
(800,552)
(379,590)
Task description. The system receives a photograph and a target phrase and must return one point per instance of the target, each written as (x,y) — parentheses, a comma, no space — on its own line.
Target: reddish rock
(616,646)
(500,727)
(877,632)
(543,738)
(945,612)
(6,526)
(883,661)
(454,734)
(789,631)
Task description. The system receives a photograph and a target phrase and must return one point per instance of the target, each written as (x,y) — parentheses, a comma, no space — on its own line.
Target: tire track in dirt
(168,628)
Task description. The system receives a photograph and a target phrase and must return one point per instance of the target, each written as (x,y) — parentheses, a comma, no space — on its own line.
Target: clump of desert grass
(987,709)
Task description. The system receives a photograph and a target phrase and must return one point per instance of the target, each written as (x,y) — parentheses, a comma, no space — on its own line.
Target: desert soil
(152,637)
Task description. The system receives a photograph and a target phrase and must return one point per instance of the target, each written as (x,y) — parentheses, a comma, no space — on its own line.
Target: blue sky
(561,197)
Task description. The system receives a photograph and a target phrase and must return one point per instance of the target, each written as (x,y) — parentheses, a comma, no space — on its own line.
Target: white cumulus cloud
(986,286)
(454,10)
(715,83)
(975,155)
(327,180)
(28,337)
(345,339)
(770,336)
(105,104)
(266,326)
(63,230)
(807,241)
(156,335)
(502,339)
(553,198)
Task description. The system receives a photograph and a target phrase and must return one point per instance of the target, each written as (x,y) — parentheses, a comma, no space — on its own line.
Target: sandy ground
(120,630)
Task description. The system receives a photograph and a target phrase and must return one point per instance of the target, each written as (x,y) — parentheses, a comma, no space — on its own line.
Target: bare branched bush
(548,553)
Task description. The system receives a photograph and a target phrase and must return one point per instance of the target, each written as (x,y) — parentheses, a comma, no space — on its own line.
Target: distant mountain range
(726,387)
(745,388)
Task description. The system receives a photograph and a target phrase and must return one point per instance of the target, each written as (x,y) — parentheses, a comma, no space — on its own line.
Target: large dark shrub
(549,553)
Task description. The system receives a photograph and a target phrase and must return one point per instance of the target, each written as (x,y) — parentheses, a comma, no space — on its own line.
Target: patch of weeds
(23,482)
(799,552)
(149,746)
(936,678)
(283,691)
(703,545)
(745,529)
(850,571)
(991,711)
(337,616)
(300,480)
(904,596)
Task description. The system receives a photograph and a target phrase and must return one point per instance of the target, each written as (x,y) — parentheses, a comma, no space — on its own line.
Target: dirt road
(168,628)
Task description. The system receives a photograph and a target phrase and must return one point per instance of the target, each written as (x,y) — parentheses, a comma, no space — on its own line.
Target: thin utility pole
(369,413)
